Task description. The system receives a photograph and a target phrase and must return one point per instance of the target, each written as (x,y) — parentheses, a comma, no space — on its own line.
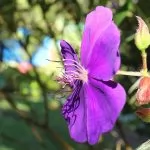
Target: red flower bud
(144,114)
(143,93)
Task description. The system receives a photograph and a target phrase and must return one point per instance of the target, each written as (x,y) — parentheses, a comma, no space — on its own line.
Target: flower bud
(142,36)
(144,114)
(143,93)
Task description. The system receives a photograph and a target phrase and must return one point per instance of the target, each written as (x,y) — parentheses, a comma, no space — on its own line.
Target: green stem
(144,62)
(129,73)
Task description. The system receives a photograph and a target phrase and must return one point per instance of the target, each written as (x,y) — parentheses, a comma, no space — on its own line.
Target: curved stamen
(70,75)
(73,61)
(79,67)
(58,61)
(71,71)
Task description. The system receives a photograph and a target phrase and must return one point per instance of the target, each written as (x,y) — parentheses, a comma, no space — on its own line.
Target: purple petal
(104,102)
(105,57)
(100,44)
(96,22)
(92,109)
(68,54)
(74,113)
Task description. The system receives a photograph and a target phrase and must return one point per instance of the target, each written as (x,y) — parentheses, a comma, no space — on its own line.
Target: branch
(42,86)
(124,138)
(129,73)
(43,89)
(55,138)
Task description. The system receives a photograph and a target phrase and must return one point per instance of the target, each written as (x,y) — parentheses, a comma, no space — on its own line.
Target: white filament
(78,74)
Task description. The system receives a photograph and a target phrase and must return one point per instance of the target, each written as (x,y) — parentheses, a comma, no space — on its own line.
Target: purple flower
(96,100)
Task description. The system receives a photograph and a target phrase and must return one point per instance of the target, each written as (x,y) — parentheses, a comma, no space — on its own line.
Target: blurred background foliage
(30,97)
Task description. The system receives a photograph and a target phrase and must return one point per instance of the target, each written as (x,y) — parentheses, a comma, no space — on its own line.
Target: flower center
(73,71)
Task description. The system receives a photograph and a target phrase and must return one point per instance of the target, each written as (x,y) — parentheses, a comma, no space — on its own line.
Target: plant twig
(129,73)
(42,86)
(123,136)
(55,138)
(45,98)
(144,62)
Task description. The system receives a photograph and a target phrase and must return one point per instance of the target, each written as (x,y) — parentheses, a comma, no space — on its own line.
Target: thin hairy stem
(144,62)
(129,73)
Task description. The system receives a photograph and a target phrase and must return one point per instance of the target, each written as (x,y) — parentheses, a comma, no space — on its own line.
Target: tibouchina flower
(96,100)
